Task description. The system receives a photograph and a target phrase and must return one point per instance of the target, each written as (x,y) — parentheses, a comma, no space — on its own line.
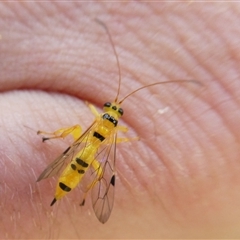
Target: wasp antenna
(156,83)
(115,52)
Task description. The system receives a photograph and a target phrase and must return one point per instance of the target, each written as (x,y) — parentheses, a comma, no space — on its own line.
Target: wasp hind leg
(99,172)
(125,139)
(75,131)
(120,140)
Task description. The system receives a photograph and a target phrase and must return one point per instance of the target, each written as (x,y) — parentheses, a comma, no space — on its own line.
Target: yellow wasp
(95,149)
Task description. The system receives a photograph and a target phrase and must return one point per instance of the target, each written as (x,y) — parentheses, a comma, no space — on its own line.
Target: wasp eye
(120,110)
(107,104)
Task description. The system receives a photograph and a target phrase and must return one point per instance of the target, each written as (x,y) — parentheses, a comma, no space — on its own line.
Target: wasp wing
(104,186)
(56,166)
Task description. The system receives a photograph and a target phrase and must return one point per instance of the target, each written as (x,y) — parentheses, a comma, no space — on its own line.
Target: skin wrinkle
(149,65)
(122,169)
(209,138)
(218,111)
(223,41)
(183,164)
(225,121)
(233,30)
(154,149)
(195,57)
(69,16)
(194,166)
(168,162)
(192,119)
(29,12)
(203,30)
(140,39)
(180,41)
(180,120)
(199,62)
(22,15)
(227,91)
(163,155)
(180,66)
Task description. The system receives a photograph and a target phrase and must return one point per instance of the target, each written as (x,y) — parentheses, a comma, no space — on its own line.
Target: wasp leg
(93,109)
(122,128)
(120,140)
(75,131)
(98,170)
(125,129)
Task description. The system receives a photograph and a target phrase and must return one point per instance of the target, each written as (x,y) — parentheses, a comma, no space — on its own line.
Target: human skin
(181,180)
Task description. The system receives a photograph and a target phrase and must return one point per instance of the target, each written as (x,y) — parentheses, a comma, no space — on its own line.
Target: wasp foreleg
(75,131)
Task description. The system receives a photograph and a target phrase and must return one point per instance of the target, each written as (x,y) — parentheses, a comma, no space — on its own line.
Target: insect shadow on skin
(95,148)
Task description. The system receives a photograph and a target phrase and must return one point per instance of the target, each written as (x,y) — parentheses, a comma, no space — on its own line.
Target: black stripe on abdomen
(99,136)
(64,187)
(81,162)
